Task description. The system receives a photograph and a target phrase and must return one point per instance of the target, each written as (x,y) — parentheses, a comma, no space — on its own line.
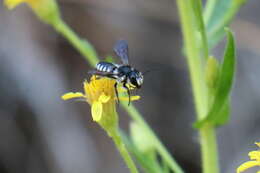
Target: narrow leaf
(219,112)
(218,15)
(224,114)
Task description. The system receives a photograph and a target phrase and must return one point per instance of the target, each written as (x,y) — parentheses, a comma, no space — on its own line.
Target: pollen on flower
(97,87)
(100,94)
(255,160)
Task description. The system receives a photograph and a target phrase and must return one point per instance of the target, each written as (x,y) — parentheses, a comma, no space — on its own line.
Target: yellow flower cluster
(255,160)
(46,10)
(100,94)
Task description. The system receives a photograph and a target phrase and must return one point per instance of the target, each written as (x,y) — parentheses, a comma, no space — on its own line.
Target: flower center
(98,86)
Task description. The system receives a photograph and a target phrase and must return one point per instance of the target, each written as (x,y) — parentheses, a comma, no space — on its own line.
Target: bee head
(136,78)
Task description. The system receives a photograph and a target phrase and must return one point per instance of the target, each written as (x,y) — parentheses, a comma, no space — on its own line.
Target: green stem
(209,149)
(197,66)
(165,167)
(195,62)
(123,151)
(198,18)
(148,164)
(83,46)
(135,115)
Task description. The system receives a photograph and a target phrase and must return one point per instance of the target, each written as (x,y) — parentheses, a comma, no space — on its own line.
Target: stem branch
(84,47)
(123,151)
(136,116)
(196,65)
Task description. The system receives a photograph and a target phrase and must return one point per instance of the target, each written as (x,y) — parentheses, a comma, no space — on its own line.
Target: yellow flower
(255,160)
(100,94)
(46,10)
(13,3)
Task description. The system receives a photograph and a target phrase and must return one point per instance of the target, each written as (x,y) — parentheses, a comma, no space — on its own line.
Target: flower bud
(143,141)
(212,72)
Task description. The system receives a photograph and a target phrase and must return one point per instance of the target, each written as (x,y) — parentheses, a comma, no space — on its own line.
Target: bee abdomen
(105,67)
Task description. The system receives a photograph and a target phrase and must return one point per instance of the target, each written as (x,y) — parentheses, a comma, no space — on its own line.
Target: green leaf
(218,14)
(224,114)
(142,140)
(148,163)
(219,112)
(215,11)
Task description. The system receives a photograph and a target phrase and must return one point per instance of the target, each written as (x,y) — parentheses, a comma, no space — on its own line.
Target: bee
(122,73)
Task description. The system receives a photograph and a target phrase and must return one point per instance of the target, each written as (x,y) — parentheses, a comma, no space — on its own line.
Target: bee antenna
(150,70)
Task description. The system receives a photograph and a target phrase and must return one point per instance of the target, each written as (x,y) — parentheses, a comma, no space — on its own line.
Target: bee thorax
(121,79)
(115,71)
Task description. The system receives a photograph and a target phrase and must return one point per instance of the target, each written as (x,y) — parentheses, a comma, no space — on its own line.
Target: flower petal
(85,86)
(12,3)
(132,98)
(72,95)
(247,165)
(96,111)
(257,143)
(254,155)
(103,98)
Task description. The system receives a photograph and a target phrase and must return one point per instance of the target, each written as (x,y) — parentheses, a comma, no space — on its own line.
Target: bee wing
(96,72)
(101,73)
(121,49)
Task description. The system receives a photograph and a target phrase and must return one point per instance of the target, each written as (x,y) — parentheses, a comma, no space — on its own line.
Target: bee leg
(128,92)
(115,86)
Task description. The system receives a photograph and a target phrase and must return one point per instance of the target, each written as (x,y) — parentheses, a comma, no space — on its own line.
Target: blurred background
(40,133)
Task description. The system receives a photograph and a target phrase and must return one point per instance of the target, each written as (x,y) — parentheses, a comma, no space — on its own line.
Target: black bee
(122,73)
